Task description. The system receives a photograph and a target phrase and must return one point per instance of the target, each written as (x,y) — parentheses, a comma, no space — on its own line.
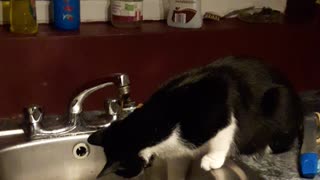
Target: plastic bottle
(126,13)
(308,154)
(185,14)
(23,17)
(66,14)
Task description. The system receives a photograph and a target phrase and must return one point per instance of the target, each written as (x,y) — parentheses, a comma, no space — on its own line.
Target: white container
(185,14)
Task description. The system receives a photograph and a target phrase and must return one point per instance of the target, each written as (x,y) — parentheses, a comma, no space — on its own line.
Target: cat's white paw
(212,161)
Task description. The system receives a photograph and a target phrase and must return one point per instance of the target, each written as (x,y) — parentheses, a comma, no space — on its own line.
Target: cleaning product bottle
(185,14)
(23,17)
(126,13)
(308,159)
(66,14)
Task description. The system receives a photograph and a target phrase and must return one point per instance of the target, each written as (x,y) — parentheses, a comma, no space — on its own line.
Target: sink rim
(42,141)
(229,165)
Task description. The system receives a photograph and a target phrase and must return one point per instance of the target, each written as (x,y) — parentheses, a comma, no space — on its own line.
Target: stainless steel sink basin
(72,158)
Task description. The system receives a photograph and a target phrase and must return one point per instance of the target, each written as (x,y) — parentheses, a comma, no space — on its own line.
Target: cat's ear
(109,168)
(96,138)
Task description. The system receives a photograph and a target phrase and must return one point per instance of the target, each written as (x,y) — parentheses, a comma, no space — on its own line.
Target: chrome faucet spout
(76,103)
(120,80)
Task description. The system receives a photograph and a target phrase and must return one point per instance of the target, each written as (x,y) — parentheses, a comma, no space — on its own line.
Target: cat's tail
(310,101)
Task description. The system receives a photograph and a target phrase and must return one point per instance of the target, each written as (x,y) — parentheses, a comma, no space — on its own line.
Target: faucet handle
(35,114)
(113,108)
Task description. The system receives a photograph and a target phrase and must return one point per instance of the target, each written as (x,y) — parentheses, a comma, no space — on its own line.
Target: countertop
(276,166)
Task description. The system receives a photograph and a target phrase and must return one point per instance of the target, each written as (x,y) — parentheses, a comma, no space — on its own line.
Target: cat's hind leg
(219,146)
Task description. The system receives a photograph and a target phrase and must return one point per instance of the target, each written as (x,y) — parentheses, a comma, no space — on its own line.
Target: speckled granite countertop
(281,166)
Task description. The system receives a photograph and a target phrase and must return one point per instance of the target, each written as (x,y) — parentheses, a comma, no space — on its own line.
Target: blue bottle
(66,14)
(308,159)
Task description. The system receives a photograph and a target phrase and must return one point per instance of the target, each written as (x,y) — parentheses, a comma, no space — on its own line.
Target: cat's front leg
(219,146)
(178,168)
(213,161)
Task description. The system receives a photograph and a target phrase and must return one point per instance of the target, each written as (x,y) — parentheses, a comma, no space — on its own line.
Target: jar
(126,13)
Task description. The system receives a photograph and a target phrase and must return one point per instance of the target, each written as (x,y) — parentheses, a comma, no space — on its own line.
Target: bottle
(185,14)
(126,13)
(23,17)
(66,14)
(308,159)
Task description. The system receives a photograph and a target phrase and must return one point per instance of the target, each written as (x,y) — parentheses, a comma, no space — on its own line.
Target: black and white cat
(232,106)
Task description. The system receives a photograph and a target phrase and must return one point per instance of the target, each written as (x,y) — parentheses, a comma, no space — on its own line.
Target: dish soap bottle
(185,14)
(66,14)
(126,13)
(23,17)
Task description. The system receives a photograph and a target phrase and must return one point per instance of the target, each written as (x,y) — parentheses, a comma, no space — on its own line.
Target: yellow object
(318,1)
(23,18)
(318,124)
(5,11)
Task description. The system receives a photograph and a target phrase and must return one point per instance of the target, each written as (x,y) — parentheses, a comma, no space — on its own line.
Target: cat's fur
(232,105)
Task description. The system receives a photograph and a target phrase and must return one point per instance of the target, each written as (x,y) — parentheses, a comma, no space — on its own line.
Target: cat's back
(248,71)
(251,68)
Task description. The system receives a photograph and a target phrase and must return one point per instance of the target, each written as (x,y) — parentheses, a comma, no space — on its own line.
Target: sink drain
(80,151)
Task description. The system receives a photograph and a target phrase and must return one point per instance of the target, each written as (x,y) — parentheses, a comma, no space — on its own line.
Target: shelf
(153,27)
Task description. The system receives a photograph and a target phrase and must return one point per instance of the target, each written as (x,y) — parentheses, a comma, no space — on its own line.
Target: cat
(234,105)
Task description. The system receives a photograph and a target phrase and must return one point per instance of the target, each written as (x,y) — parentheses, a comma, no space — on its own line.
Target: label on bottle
(68,11)
(184,11)
(127,11)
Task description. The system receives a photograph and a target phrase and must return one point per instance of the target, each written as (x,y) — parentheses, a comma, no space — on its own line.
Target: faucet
(116,108)
(121,81)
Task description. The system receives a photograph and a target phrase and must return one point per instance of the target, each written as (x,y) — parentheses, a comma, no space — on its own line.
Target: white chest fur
(216,149)
(172,147)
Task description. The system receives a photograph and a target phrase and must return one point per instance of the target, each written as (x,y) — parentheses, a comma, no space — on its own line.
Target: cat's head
(123,157)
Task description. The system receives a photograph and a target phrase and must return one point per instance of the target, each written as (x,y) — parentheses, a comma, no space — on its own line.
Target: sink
(72,158)
(58,149)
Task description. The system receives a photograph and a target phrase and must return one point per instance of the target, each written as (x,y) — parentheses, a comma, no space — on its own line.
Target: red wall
(47,69)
